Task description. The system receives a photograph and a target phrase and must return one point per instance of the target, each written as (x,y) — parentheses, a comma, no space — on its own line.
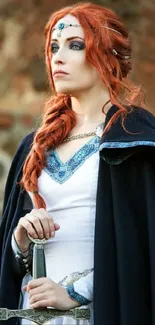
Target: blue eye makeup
(54,47)
(77,45)
(73,45)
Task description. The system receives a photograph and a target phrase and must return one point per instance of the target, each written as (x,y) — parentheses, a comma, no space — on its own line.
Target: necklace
(79,136)
(97,132)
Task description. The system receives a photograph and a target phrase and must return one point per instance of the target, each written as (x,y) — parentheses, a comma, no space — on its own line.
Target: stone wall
(23,79)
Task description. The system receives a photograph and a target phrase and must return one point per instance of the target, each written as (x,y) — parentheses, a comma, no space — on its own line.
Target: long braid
(58,120)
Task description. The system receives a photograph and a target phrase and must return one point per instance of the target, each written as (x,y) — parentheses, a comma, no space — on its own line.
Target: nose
(57,62)
(58,58)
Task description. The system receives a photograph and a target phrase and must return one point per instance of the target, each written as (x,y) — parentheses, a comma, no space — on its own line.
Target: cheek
(87,72)
(77,61)
(84,67)
(92,72)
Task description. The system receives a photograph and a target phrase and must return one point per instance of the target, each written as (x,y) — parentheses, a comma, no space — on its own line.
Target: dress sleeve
(82,289)
(23,260)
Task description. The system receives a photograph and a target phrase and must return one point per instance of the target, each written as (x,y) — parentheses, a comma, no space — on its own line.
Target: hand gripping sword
(42,315)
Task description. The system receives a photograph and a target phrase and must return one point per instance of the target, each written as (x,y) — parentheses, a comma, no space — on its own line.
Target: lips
(60,72)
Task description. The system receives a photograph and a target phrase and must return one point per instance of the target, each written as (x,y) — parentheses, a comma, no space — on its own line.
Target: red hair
(59,118)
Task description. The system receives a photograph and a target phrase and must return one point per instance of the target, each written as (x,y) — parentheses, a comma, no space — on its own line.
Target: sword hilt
(38,263)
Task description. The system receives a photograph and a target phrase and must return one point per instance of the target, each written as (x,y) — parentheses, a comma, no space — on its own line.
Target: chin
(64,90)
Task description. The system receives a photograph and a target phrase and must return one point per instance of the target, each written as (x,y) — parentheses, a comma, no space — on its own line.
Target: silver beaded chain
(79,136)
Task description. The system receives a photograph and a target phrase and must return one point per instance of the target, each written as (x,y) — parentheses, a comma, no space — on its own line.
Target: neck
(88,107)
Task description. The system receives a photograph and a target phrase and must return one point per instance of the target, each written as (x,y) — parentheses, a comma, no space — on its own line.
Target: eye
(54,47)
(77,45)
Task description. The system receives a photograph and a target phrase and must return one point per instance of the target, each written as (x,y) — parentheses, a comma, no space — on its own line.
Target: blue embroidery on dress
(61,171)
(125,144)
(76,296)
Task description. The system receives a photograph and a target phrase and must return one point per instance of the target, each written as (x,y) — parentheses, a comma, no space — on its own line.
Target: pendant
(59,34)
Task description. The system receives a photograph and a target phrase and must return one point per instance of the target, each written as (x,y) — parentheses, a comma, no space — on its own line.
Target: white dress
(69,190)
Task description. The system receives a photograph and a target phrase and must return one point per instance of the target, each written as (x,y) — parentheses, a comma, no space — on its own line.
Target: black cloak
(124,251)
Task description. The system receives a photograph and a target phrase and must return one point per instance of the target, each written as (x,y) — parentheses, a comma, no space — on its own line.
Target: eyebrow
(68,39)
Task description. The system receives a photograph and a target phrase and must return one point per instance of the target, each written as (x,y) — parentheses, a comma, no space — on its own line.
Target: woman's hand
(44,292)
(38,224)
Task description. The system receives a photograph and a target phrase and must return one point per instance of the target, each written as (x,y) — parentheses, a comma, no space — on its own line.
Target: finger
(56,226)
(25,288)
(38,297)
(47,222)
(27,225)
(37,225)
(42,303)
(36,291)
(52,227)
(36,283)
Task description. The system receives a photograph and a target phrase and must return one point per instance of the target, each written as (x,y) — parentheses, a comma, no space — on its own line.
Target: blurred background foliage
(23,78)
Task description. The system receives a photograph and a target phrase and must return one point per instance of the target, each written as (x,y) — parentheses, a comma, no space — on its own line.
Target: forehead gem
(61,26)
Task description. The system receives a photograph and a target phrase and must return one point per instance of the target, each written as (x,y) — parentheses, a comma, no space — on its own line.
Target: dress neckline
(61,171)
(75,153)
(99,130)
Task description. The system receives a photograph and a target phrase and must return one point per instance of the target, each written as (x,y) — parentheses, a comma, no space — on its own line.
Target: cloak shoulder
(137,134)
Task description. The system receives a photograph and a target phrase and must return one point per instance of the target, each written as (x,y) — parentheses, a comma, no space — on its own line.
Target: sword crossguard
(40,316)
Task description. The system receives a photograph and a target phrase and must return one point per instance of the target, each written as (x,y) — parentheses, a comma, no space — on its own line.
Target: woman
(88,181)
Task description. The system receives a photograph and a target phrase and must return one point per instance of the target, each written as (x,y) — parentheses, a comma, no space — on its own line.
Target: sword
(42,315)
